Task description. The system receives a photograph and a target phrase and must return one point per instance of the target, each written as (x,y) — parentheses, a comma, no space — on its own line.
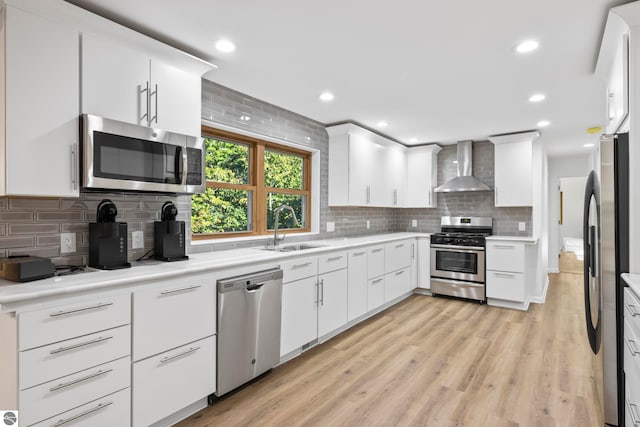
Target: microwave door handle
(183,169)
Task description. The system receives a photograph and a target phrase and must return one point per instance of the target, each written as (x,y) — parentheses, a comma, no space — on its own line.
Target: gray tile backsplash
(33,225)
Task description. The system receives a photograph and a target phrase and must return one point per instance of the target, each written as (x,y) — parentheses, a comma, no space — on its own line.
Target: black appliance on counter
(458,257)
(108,239)
(606,256)
(169,235)
(25,268)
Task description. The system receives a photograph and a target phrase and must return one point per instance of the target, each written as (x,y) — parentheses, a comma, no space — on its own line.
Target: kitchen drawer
(177,312)
(111,410)
(631,413)
(397,255)
(170,381)
(631,351)
(332,262)
(505,286)
(396,284)
(505,256)
(632,310)
(48,325)
(375,293)
(375,266)
(55,397)
(299,268)
(46,363)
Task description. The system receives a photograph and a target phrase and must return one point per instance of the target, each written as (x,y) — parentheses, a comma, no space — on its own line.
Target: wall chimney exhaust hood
(465,181)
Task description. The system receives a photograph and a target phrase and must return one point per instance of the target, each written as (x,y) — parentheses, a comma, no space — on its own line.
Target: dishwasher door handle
(253,288)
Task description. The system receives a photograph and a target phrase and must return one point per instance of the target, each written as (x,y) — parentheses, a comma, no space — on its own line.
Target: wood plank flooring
(435,362)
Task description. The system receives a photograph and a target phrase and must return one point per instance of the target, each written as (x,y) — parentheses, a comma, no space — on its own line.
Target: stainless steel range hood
(465,181)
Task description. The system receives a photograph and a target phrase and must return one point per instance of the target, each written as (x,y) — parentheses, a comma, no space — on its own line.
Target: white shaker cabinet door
(41,106)
(299,314)
(114,81)
(513,174)
(332,310)
(357,299)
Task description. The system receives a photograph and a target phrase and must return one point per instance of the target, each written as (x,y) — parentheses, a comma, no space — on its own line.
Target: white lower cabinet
(506,270)
(172,380)
(58,396)
(424,263)
(332,311)
(632,357)
(397,284)
(299,314)
(111,410)
(357,284)
(375,293)
(506,286)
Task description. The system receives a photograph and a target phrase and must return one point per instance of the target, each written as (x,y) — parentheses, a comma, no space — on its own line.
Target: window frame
(256,185)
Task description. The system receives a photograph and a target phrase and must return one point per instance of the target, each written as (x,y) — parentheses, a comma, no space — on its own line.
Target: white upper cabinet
(131,86)
(40,107)
(514,169)
(422,170)
(398,157)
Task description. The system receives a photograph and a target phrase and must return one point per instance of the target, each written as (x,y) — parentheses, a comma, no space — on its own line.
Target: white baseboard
(183,413)
(554,270)
(524,306)
(541,299)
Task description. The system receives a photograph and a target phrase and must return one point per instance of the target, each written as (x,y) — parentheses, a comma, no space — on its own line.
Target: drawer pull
(335,258)
(77,310)
(296,266)
(82,344)
(633,411)
(184,353)
(359,253)
(79,380)
(175,291)
(504,246)
(377,281)
(375,251)
(631,345)
(399,246)
(399,272)
(82,414)
(632,309)
(507,275)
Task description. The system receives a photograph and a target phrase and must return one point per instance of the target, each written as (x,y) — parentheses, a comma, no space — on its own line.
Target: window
(247,179)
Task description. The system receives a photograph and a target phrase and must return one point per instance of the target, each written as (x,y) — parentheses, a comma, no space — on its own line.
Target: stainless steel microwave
(123,156)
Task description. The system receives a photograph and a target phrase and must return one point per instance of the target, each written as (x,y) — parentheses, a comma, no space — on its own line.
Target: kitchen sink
(293,247)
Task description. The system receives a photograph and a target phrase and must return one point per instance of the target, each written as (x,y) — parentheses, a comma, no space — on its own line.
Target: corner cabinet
(127,85)
(40,110)
(514,169)
(422,167)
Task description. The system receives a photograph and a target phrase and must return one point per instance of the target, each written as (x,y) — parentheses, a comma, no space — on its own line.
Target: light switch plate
(522,226)
(137,240)
(331,226)
(67,243)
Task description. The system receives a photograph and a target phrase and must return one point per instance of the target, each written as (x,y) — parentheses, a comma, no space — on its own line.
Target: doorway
(571,196)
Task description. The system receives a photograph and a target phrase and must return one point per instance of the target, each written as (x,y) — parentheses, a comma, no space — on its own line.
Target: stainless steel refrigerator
(606,256)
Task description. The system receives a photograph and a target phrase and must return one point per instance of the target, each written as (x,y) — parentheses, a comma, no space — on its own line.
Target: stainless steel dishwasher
(249,313)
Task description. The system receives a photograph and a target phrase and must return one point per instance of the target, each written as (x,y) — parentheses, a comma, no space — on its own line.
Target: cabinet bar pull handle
(322,291)
(316,302)
(413,250)
(377,281)
(632,309)
(335,258)
(429,193)
(504,246)
(82,344)
(395,197)
(399,272)
(146,115)
(359,253)
(375,251)
(74,166)
(79,380)
(631,345)
(77,310)
(155,116)
(175,291)
(399,246)
(368,194)
(504,275)
(184,353)
(306,264)
(633,411)
(82,414)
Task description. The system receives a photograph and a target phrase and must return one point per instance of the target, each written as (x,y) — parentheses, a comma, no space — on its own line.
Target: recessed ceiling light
(326,96)
(413,140)
(588,145)
(543,123)
(382,124)
(455,162)
(537,97)
(225,46)
(527,46)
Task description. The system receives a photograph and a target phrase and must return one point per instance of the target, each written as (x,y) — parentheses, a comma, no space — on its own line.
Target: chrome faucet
(279,209)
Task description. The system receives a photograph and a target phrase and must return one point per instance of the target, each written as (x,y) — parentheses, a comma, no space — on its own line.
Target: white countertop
(525,239)
(633,280)
(12,293)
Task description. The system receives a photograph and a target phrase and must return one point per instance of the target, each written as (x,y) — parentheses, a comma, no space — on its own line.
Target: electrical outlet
(331,226)
(414,223)
(67,243)
(137,240)
(368,224)
(522,226)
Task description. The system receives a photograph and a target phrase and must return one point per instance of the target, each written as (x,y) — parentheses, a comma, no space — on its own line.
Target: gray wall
(33,225)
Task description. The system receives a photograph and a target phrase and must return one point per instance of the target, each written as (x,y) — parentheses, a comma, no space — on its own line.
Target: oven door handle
(467,249)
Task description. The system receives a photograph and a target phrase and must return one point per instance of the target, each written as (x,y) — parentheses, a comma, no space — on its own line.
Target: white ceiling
(439,70)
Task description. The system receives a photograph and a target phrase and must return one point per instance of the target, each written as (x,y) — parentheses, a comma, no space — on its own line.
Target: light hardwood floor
(435,362)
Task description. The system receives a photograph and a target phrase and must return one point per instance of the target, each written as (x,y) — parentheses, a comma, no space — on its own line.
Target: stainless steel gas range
(458,257)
